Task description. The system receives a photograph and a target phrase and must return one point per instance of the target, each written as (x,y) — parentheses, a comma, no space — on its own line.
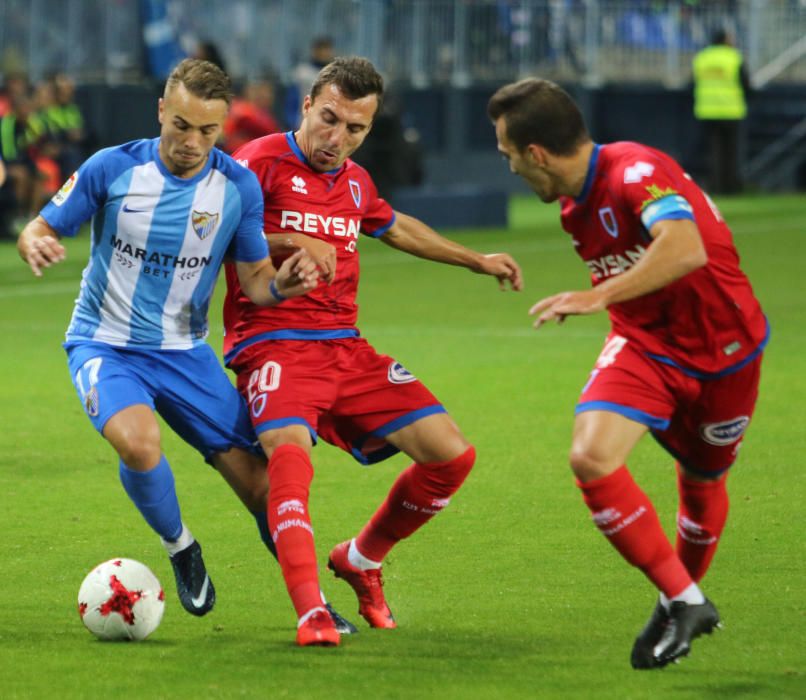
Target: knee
(588,463)
(139,450)
(456,470)
(290,472)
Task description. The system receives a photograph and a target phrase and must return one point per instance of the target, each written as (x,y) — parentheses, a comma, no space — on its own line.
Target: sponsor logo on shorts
(398,374)
(91,402)
(724,433)
(258,405)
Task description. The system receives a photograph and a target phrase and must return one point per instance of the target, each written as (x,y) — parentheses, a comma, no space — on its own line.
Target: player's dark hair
(202,79)
(541,112)
(354,76)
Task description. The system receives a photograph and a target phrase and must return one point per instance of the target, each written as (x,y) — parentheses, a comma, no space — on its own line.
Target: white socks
(692,595)
(185,540)
(358,560)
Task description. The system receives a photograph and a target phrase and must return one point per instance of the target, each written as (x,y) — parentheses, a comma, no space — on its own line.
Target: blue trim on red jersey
(715,375)
(632,413)
(388,449)
(378,232)
(589,176)
(291,334)
(282,423)
(687,466)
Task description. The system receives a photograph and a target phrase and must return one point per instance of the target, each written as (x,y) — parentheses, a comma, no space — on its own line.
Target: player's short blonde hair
(202,79)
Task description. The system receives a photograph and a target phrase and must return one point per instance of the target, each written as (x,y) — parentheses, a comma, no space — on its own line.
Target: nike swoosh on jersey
(132,211)
(199,601)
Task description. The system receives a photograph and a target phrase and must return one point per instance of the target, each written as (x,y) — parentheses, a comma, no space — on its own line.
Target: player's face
(190,128)
(526,164)
(334,126)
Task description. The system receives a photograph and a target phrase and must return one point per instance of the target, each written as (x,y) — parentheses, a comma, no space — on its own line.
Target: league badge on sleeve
(61,196)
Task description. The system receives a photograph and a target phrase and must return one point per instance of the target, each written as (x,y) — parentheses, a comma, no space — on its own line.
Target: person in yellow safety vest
(721,87)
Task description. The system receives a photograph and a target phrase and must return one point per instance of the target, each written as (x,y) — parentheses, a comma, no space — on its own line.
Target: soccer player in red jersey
(306,372)
(683,356)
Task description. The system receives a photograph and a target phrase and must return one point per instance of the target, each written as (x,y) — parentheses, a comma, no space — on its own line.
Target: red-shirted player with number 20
(683,356)
(305,371)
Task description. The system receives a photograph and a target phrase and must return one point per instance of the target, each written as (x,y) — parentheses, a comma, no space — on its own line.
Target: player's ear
(538,154)
(161,110)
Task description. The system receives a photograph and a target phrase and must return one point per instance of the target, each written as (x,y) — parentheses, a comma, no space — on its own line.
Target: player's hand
(297,275)
(42,251)
(504,268)
(323,254)
(558,306)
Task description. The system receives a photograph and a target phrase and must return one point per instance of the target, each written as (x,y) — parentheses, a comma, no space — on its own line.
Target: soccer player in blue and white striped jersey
(165,213)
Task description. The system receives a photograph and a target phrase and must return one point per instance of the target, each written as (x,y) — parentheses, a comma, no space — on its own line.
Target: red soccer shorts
(342,390)
(700,422)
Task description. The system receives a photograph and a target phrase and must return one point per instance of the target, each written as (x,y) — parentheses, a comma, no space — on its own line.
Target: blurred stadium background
(628,61)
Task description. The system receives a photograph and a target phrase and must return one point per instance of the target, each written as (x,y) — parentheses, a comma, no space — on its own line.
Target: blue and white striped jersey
(158,242)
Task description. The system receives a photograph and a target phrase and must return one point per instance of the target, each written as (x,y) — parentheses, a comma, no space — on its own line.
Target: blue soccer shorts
(188,388)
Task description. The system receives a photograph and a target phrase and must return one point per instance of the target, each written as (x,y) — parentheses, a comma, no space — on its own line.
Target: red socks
(624,514)
(700,520)
(290,476)
(419,493)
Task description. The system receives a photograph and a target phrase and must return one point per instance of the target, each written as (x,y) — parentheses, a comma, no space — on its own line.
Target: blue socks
(154,494)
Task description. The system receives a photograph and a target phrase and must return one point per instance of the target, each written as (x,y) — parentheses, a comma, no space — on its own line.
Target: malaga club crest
(204,223)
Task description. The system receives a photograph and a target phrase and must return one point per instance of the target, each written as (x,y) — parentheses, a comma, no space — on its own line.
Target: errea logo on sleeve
(637,172)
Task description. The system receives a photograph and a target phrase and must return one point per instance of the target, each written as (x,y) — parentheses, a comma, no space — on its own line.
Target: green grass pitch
(511,593)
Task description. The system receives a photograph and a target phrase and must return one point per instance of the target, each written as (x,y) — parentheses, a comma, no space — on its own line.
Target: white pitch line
(37,290)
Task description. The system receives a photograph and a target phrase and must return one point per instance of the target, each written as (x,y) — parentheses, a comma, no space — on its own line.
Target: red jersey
(334,206)
(709,321)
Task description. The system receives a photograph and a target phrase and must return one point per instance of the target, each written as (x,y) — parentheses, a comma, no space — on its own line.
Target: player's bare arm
(321,252)
(416,238)
(266,286)
(677,250)
(39,245)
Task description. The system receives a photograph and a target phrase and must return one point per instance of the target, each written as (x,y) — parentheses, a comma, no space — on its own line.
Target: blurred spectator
(720,89)
(20,132)
(391,153)
(322,52)
(13,84)
(208,51)
(250,115)
(45,150)
(65,124)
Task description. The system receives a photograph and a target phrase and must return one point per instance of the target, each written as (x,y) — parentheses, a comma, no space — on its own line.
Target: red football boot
(368,586)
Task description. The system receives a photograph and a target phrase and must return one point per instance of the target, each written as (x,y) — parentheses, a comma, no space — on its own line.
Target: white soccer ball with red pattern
(121,599)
